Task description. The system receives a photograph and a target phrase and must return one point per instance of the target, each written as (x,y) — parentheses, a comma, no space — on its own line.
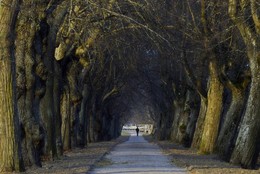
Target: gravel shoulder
(78,161)
(199,164)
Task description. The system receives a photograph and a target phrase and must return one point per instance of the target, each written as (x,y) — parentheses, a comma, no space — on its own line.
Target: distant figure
(137,130)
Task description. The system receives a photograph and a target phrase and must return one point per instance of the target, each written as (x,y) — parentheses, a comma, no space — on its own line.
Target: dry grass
(199,164)
(78,161)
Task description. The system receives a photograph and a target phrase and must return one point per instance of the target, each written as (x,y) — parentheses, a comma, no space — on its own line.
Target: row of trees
(219,51)
(73,71)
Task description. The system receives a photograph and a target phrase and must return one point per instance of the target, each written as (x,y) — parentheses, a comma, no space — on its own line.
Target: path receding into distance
(137,156)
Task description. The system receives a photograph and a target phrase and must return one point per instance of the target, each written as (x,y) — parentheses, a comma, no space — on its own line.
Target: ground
(77,161)
(137,156)
(199,164)
(81,161)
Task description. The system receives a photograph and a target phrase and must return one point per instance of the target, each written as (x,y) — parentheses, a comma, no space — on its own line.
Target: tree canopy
(74,72)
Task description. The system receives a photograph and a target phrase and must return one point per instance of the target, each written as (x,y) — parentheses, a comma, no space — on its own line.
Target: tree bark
(249,131)
(189,133)
(47,103)
(191,115)
(25,62)
(178,113)
(57,111)
(228,132)
(50,105)
(75,101)
(83,117)
(10,146)
(200,123)
(65,114)
(91,120)
(214,109)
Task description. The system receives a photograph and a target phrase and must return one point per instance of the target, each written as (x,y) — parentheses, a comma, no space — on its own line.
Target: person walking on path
(137,130)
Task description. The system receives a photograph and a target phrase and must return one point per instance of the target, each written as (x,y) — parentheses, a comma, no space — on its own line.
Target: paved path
(137,156)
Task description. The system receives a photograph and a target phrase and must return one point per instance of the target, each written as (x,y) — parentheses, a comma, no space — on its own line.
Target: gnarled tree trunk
(25,61)
(10,146)
(65,117)
(178,113)
(200,123)
(82,134)
(247,144)
(214,109)
(228,132)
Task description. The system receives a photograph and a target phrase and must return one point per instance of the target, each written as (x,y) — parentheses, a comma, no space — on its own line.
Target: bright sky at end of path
(137,156)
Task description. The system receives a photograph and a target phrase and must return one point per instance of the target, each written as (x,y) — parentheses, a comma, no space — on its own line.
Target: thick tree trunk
(180,121)
(98,125)
(247,144)
(75,101)
(40,86)
(57,100)
(91,118)
(90,126)
(214,109)
(47,103)
(178,111)
(200,123)
(191,112)
(74,112)
(164,126)
(82,134)
(50,105)
(25,63)
(189,133)
(10,146)
(228,132)
(65,114)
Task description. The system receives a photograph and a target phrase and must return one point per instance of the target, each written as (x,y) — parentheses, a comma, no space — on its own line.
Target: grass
(104,162)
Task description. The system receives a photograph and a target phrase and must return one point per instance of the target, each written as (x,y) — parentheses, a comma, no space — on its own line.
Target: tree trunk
(57,100)
(25,63)
(75,98)
(65,114)
(40,86)
(91,117)
(82,134)
(228,132)
(180,120)
(178,111)
(189,133)
(189,119)
(214,109)
(50,105)
(47,103)
(75,108)
(10,146)
(247,144)
(164,126)
(200,123)
(90,132)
